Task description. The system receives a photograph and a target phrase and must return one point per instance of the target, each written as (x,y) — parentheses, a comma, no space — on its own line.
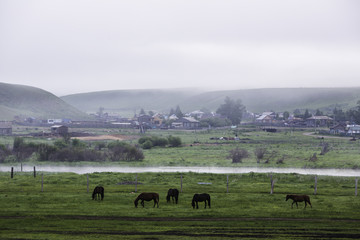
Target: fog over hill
(127,102)
(27,101)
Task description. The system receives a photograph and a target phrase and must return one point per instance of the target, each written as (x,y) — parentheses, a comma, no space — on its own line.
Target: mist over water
(217,170)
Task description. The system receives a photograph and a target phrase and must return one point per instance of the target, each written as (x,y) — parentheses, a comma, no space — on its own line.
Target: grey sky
(71,46)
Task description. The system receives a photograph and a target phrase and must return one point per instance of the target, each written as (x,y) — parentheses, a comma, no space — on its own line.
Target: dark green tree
(286,115)
(231,109)
(307,114)
(178,112)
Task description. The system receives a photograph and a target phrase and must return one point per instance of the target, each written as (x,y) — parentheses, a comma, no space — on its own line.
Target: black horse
(147,197)
(98,191)
(299,198)
(200,198)
(173,193)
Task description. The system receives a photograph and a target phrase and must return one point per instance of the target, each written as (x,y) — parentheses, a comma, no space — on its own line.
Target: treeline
(66,150)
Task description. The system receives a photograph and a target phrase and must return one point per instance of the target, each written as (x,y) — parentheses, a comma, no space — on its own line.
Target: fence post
(227,183)
(12,172)
(21,167)
(272,184)
(136,182)
(34,172)
(87,182)
(42,182)
(315,188)
(356,186)
(181,180)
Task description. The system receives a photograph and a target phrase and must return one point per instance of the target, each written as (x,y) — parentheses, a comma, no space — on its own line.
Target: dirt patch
(106,137)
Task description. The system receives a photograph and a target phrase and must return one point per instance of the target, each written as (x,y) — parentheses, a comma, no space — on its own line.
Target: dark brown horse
(147,197)
(204,197)
(98,191)
(299,198)
(173,193)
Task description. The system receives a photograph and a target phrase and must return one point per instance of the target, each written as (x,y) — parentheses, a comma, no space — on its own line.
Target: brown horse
(147,197)
(98,191)
(299,198)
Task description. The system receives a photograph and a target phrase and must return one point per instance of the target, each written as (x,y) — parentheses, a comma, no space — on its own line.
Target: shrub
(174,141)
(237,155)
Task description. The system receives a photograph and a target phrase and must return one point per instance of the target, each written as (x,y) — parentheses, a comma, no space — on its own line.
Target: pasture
(65,210)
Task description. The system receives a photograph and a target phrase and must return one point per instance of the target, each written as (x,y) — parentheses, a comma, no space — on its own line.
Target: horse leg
(205,204)
(292,204)
(142,203)
(297,206)
(197,205)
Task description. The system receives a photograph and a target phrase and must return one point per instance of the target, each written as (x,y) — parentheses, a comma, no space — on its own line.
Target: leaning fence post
(356,186)
(42,182)
(227,183)
(12,172)
(34,172)
(136,182)
(315,188)
(87,182)
(181,180)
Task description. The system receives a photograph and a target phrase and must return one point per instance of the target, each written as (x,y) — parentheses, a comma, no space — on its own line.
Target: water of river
(218,170)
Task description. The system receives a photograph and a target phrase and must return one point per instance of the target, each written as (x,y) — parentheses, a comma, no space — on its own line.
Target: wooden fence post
(87,182)
(181,180)
(12,172)
(356,186)
(272,184)
(42,182)
(21,167)
(34,172)
(315,187)
(227,183)
(136,182)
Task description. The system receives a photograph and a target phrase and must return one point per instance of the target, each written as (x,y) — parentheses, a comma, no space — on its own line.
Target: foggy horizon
(69,47)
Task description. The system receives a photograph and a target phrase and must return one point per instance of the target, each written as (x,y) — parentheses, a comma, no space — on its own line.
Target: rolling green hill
(126,102)
(26,101)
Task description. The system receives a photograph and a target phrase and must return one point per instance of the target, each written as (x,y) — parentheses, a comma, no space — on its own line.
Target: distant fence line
(272,182)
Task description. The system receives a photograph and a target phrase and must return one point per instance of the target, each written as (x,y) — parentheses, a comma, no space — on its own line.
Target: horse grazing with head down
(299,198)
(204,197)
(173,193)
(98,191)
(147,197)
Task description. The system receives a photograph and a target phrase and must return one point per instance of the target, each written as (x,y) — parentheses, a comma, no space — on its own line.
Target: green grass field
(65,210)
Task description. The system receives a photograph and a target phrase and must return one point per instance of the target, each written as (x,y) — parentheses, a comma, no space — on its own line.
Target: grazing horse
(98,191)
(147,197)
(200,198)
(173,193)
(299,198)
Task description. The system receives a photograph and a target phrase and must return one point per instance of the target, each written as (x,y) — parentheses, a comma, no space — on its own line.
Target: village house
(339,128)
(266,117)
(318,121)
(353,130)
(59,129)
(5,128)
(186,123)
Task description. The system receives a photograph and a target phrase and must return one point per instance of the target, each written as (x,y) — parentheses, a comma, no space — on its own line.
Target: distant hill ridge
(128,102)
(26,101)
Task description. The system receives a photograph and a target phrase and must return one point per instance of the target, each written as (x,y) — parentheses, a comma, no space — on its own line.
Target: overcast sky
(73,46)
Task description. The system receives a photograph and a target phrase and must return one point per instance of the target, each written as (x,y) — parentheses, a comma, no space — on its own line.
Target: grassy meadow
(65,210)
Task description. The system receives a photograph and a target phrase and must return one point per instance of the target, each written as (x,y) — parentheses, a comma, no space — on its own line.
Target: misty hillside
(26,101)
(126,102)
